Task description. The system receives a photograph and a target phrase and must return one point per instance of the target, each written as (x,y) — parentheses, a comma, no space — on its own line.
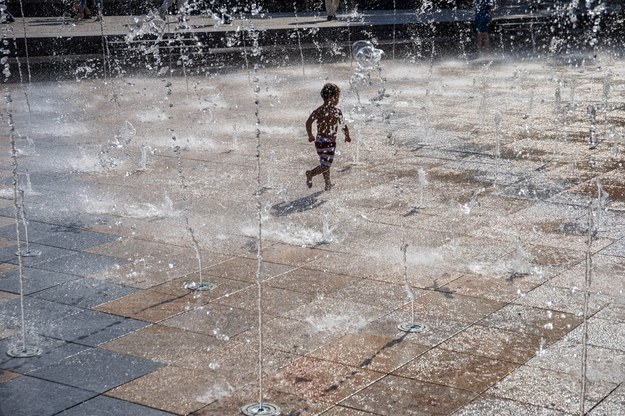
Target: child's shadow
(299,205)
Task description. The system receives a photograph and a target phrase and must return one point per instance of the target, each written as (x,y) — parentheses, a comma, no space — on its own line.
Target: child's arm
(346,133)
(344,127)
(309,124)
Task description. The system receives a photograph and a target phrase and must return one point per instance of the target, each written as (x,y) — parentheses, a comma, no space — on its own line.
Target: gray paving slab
(55,229)
(52,351)
(535,188)
(36,229)
(75,239)
(612,405)
(615,249)
(32,253)
(91,328)
(33,280)
(81,263)
(29,396)
(84,292)
(39,314)
(96,370)
(601,333)
(109,406)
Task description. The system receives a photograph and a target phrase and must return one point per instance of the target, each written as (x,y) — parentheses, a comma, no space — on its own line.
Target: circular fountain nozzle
(200,286)
(411,327)
(24,352)
(261,409)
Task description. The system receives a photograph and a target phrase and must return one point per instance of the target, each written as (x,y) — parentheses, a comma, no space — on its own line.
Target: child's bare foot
(308,179)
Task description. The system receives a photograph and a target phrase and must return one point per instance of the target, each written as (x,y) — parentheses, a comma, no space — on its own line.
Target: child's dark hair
(330,90)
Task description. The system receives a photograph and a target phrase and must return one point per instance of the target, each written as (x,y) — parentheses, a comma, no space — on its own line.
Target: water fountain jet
(200,286)
(423,181)
(260,408)
(592,138)
(409,326)
(23,350)
(28,252)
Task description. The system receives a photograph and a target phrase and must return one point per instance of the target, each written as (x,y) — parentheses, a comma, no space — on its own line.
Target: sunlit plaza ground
(481,203)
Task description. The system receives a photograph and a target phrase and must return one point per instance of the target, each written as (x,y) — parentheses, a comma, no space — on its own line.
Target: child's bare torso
(329,119)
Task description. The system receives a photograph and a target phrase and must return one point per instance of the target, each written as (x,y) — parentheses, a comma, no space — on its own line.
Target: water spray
(261,408)
(23,350)
(410,326)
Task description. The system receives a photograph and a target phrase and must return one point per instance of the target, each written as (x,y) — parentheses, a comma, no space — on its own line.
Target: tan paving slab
(5,242)
(238,361)
(452,306)
(467,254)
(370,352)
(550,261)
(4,296)
(176,390)
(6,220)
(313,281)
(245,269)
(602,364)
(290,255)
(550,389)
(294,336)
(337,316)
(436,330)
(151,306)
(493,406)
(345,411)
(563,300)
(542,323)
(551,231)
(134,249)
(7,268)
(6,375)
(357,266)
(218,287)
(386,296)
(275,301)
(399,395)
(9,332)
(249,395)
(495,343)
(150,264)
(212,319)
(456,369)
(419,275)
(322,380)
(606,276)
(506,289)
(165,344)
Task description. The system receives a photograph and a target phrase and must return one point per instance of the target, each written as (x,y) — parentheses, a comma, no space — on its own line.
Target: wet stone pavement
(464,205)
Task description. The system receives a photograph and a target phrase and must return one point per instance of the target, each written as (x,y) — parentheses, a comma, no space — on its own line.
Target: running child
(329,119)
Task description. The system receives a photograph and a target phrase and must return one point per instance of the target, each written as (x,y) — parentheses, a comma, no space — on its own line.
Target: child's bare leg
(326,178)
(310,173)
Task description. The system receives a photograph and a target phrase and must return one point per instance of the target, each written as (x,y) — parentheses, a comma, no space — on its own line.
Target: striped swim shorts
(325,150)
